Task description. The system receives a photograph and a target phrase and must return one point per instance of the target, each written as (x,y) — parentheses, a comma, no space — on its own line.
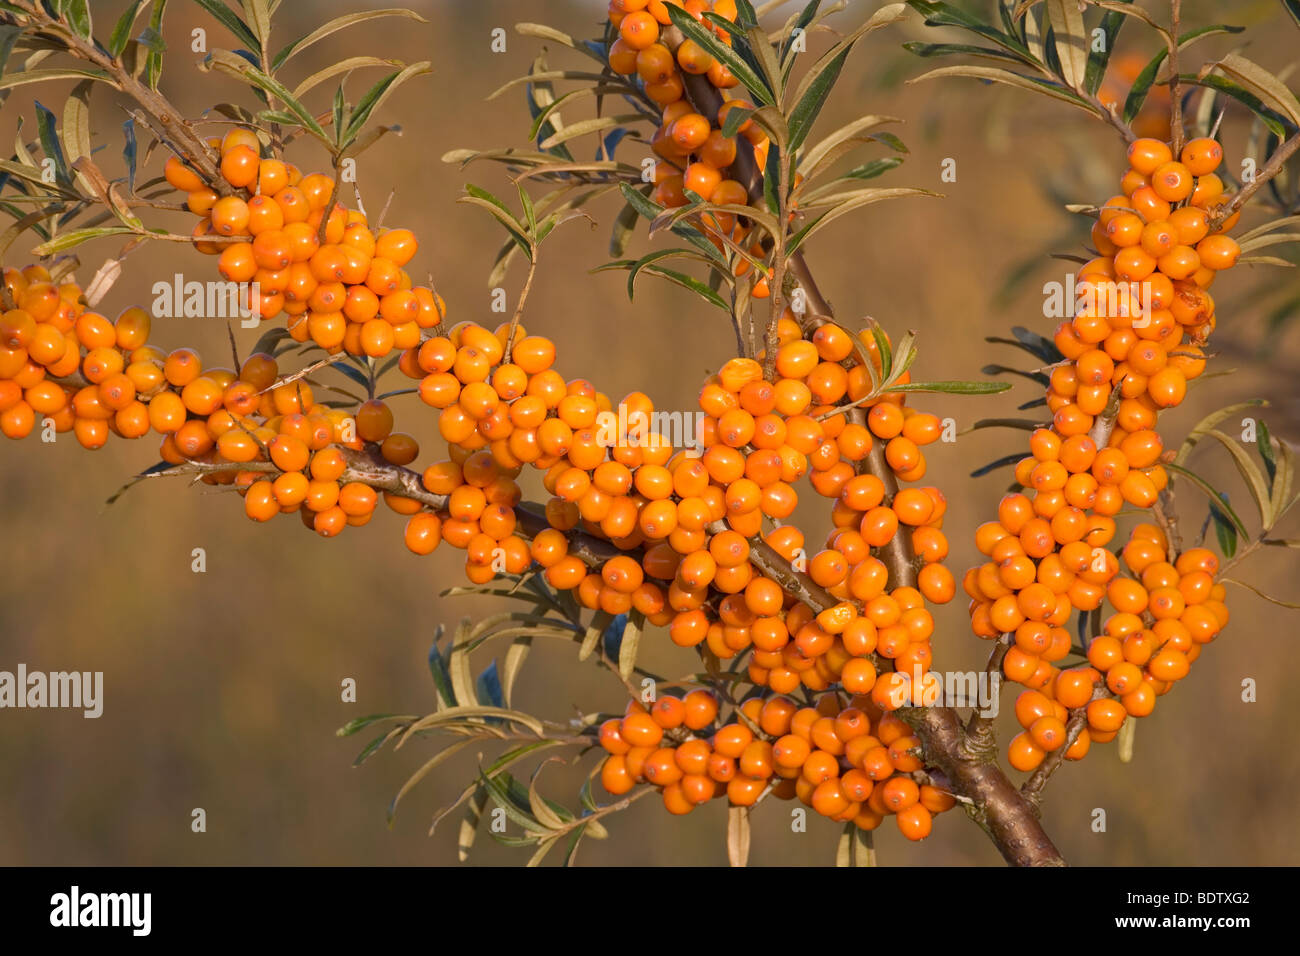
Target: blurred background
(222,689)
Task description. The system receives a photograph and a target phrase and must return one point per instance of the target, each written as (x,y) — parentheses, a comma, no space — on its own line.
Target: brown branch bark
(1270,170)
(168,123)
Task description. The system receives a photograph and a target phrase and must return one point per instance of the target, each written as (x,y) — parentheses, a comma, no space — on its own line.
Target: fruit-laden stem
(708,99)
(1270,170)
(167,122)
(1007,816)
(980,738)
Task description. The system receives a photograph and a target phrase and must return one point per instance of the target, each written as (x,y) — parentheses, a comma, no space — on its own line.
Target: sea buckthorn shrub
(815,674)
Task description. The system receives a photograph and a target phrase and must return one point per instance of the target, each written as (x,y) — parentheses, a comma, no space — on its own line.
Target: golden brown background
(222,689)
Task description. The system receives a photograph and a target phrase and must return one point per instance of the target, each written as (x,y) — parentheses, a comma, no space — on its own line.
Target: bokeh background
(222,689)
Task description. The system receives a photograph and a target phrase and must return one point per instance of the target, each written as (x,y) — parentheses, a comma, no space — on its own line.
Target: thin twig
(1274,166)
(519,306)
(1175,88)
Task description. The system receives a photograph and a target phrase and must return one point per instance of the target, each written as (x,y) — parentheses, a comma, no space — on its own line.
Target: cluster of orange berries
(95,377)
(1133,343)
(344,289)
(693,152)
(694,514)
(689,520)
(848,763)
(1163,616)
(47,336)
(686,518)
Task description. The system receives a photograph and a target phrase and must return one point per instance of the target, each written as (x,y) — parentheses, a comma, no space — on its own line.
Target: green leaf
(571,851)
(845,139)
(514,662)
(340,104)
(469,824)
(548,813)
(23,77)
(47,125)
(334,69)
(952,49)
(1250,474)
(741,70)
(1203,427)
(584,76)
(684,230)
(1024,424)
(70,240)
(1266,453)
(594,631)
(1071,40)
(333,26)
(953,388)
(691,284)
(634,268)
(76,126)
(1110,26)
(373,747)
(996,464)
(1224,531)
(946,15)
(874,168)
(77,14)
(129,150)
(1274,121)
(801,23)
(476,196)
(361,723)
(475,716)
(462,679)
(736,117)
(624,226)
(847,202)
(376,95)
(236,66)
(257,14)
(587,127)
(1280,497)
(488,686)
(1217,499)
(500,794)
(9,35)
(122,31)
(34,175)
(154,59)
(440,674)
(746,15)
(993,75)
(431,764)
(1263,84)
(231,21)
(805,111)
